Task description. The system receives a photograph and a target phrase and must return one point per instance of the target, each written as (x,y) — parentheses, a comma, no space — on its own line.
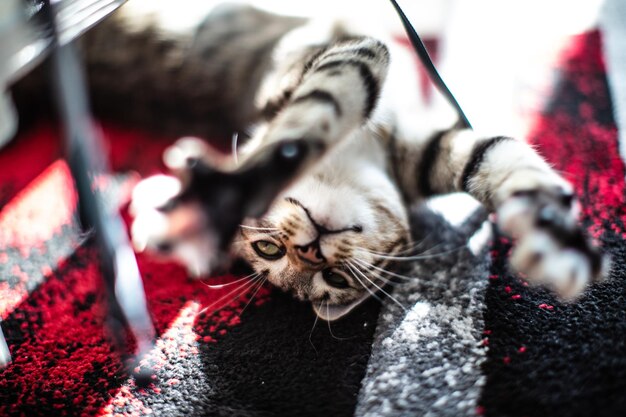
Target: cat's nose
(310,253)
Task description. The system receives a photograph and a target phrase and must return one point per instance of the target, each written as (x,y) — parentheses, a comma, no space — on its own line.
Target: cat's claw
(552,249)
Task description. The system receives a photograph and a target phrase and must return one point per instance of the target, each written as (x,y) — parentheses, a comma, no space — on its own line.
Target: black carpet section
(548,358)
(274,363)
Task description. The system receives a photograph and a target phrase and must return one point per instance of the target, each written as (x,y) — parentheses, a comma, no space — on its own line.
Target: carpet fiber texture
(472,338)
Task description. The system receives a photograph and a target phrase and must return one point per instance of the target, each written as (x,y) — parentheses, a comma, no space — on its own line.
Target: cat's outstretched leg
(532,203)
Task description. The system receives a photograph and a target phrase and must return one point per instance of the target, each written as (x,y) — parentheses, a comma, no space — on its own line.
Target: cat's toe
(150,225)
(569,273)
(551,247)
(531,252)
(149,231)
(545,261)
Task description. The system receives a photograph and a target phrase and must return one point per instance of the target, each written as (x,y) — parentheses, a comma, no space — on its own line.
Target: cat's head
(325,238)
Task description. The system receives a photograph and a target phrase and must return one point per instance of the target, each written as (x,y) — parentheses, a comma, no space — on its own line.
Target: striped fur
(327,237)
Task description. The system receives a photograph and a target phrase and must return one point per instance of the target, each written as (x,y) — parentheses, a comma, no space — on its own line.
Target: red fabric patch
(559,341)
(25,157)
(27,223)
(38,212)
(577,142)
(63,361)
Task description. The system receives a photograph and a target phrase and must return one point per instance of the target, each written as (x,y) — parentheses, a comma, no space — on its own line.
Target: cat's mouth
(332,312)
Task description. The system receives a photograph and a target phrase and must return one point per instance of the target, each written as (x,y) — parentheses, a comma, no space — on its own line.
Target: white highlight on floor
(455,208)
(481,238)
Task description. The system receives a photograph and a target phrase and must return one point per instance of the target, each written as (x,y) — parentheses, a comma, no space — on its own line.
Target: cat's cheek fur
(278,273)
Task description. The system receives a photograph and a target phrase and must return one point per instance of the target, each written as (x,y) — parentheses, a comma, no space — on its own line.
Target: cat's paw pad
(171,227)
(552,249)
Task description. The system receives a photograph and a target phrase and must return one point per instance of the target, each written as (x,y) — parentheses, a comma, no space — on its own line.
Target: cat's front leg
(336,93)
(532,203)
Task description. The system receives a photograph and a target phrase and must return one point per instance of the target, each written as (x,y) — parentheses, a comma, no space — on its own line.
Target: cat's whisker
(406,249)
(432,248)
(219,286)
(385,271)
(423,255)
(234,140)
(405,278)
(391,297)
(372,293)
(242,289)
(313,328)
(331,330)
(265,229)
(438,245)
(261,283)
(385,280)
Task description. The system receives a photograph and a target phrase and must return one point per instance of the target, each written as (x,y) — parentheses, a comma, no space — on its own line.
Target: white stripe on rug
(426,360)
(613,26)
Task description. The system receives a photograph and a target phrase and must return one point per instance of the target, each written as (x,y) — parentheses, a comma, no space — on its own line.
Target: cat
(332,236)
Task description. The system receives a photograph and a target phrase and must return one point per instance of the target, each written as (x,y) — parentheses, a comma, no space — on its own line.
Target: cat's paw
(193,215)
(551,247)
(166,223)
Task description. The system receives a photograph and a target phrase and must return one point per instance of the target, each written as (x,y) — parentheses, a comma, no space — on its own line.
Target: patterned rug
(473,339)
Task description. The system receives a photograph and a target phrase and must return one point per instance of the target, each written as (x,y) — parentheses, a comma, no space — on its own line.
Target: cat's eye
(268,250)
(334,278)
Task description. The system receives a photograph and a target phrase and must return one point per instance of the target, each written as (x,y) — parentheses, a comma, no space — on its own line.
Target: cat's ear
(334,312)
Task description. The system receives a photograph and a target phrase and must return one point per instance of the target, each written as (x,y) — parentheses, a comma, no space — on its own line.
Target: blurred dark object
(187,82)
(26,39)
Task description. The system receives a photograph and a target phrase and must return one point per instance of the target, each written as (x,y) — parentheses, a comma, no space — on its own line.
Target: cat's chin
(335,312)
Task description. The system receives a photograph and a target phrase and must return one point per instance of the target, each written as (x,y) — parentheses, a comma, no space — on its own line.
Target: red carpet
(544,358)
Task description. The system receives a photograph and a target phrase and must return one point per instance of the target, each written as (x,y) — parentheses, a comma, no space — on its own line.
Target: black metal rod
(127,302)
(422,53)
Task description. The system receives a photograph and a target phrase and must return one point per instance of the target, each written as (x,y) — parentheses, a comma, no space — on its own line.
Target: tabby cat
(331,236)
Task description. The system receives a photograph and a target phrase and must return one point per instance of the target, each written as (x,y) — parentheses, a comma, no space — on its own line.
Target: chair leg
(127,302)
(5,354)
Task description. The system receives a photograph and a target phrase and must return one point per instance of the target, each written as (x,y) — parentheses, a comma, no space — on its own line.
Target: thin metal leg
(5,355)
(127,303)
